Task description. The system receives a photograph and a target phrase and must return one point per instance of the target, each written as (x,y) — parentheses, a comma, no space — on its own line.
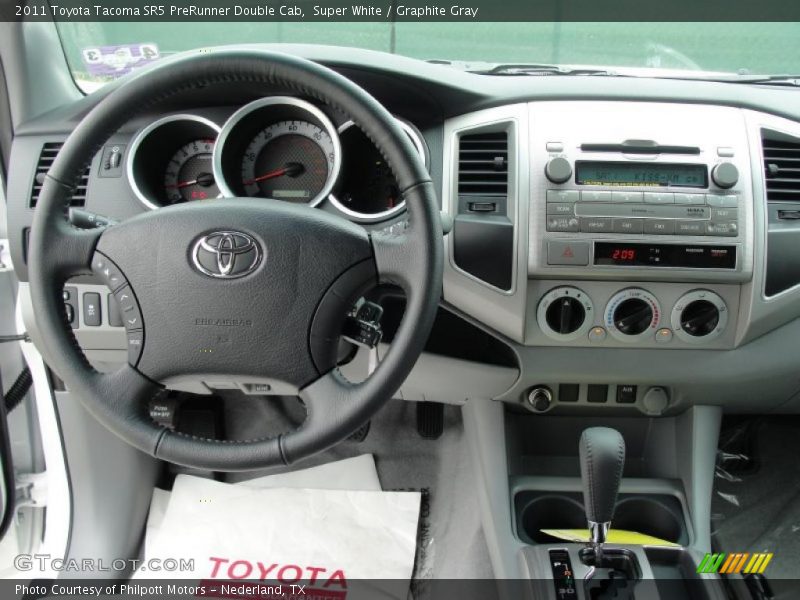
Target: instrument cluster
(279,148)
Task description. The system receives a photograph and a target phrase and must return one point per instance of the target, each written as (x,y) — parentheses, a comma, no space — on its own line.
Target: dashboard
(278,147)
(610,236)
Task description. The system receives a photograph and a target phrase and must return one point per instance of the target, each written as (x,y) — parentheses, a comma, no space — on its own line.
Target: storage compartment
(660,516)
(676,575)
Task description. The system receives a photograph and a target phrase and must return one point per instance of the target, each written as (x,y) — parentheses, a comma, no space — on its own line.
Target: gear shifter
(602,456)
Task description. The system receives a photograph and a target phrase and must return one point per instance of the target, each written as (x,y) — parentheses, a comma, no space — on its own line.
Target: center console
(640,225)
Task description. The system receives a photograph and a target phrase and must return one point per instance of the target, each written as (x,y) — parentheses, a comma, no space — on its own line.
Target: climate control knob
(725,175)
(565,313)
(558,170)
(632,315)
(699,316)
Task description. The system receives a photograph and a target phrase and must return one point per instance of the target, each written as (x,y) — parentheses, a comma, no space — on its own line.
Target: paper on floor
(357,473)
(326,539)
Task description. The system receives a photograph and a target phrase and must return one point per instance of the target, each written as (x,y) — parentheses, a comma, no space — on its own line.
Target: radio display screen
(700,256)
(654,174)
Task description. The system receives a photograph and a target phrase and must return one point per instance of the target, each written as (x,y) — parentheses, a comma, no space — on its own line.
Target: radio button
(595,196)
(627,225)
(722,229)
(590,225)
(562,195)
(724,214)
(560,208)
(626,197)
(659,226)
(562,252)
(690,228)
(727,201)
(562,224)
(659,198)
(681,198)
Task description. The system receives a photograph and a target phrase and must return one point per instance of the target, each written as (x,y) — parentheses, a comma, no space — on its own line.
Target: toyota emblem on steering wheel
(226,254)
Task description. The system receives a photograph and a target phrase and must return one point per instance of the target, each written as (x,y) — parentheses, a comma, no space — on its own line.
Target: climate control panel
(640,315)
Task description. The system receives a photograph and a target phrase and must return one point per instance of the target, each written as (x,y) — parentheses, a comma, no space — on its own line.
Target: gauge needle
(292,169)
(204,179)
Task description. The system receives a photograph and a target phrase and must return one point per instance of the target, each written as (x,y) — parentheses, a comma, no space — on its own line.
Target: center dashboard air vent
(782,178)
(781,166)
(46,159)
(483,233)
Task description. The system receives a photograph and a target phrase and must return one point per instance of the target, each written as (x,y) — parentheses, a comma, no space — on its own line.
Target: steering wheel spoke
(71,250)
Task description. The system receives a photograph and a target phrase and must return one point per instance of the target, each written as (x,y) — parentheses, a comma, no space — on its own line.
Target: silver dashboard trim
(140,137)
(422,149)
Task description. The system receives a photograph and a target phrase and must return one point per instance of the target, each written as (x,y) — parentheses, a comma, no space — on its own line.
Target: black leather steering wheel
(279,317)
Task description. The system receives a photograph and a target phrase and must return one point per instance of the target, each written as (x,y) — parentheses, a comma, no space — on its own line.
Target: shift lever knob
(602,455)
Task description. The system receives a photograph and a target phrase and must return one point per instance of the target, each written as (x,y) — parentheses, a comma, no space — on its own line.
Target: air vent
(46,158)
(483,164)
(781,166)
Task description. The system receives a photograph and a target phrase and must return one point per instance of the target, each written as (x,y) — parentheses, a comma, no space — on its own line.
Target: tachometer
(288,160)
(189,174)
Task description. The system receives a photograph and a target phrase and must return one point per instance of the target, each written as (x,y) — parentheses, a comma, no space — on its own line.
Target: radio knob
(633,316)
(558,170)
(565,315)
(725,175)
(699,318)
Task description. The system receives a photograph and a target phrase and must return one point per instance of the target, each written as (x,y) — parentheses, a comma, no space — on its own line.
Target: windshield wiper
(542,69)
(791,80)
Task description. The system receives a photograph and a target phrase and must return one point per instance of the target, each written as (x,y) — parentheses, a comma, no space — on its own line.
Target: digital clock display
(630,174)
(701,256)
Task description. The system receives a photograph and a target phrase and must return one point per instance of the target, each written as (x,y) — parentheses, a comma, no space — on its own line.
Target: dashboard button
(114,315)
(561,252)
(108,271)
(597,225)
(554,147)
(70,314)
(659,226)
(727,201)
(560,208)
(724,214)
(562,195)
(597,334)
(659,198)
(628,226)
(690,228)
(562,224)
(626,197)
(131,314)
(595,196)
(597,393)
(664,335)
(135,344)
(722,229)
(92,313)
(682,198)
(626,394)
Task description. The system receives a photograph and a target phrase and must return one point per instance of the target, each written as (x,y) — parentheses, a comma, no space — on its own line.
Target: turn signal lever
(602,456)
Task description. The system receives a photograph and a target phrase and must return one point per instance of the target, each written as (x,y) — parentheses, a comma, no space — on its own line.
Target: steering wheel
(236,288)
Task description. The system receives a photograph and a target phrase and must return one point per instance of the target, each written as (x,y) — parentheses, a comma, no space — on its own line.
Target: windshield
(99,52)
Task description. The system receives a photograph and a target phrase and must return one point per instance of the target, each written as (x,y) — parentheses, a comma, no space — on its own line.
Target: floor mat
(450,539)
(756,503)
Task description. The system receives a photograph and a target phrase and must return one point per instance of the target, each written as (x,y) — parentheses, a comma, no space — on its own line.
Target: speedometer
(288,160)
(280,148)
